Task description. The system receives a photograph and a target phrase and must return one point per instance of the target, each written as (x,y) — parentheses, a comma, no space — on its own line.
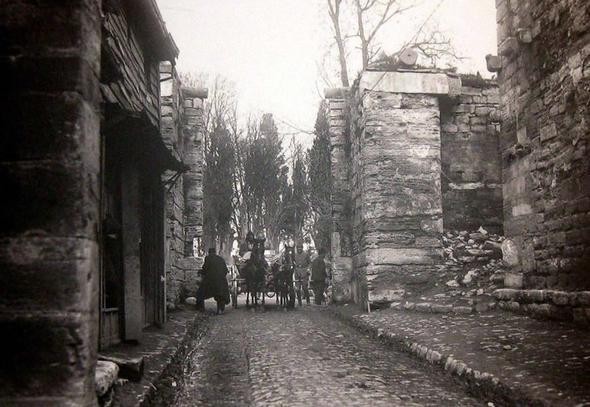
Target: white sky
(271,48)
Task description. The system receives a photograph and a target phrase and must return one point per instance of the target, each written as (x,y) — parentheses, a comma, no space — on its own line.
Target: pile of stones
(475,258)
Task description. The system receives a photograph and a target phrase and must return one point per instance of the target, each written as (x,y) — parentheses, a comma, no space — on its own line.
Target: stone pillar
(49,172)
(193,179)
(340,252)
(397,181)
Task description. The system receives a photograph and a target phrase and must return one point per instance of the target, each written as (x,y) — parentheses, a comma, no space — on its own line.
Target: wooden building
(132,260)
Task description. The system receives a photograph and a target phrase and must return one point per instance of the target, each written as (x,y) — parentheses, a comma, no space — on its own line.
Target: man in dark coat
(214,283)
(318,277)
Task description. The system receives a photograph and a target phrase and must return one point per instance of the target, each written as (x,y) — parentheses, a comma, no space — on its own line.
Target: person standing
(214,283)
(302,273)
(319,276)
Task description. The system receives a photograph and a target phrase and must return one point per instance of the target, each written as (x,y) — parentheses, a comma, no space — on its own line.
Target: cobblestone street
(305,357)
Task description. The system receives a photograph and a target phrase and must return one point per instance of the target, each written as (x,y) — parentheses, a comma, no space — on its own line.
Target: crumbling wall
(545,94)
(471,164)
(49,178)
(419,145)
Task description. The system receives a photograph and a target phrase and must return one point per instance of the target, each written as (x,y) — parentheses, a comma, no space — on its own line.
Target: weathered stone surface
(513,280)
(470,158)
(510,253)
(105,376)
(544,139)
(395,191)
(340,229)
(130,368)
(406,82)
(49,178)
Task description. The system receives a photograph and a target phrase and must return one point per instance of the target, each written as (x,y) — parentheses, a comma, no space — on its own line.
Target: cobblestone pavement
(546,361)
(306,357)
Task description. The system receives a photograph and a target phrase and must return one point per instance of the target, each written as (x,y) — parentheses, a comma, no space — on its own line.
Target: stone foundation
(547,304)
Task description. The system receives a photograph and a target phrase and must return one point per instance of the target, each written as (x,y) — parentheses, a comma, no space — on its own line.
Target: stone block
(494,63)
(130,368)
(48,274)
(441,309)
(105,376)
(422,256)
(508,47)
(423,307)
(524,35)
(55,351)
(510,253)
(506,294)
(513,280)
(406,82)
(380,295)
(462,310)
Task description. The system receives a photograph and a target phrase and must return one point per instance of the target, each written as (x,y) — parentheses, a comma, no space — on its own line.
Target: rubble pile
(473,264)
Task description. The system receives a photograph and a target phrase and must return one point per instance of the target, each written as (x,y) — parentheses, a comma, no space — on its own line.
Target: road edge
(482,385)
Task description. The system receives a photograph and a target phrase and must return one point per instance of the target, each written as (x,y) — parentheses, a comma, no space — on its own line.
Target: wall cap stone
(200,93)
(336,93)
(427,82)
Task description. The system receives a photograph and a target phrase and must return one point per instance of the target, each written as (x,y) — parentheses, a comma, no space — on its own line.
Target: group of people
(318,273)
(214,281)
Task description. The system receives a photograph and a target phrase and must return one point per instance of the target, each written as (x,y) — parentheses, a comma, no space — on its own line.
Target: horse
(285,280)
(254,273)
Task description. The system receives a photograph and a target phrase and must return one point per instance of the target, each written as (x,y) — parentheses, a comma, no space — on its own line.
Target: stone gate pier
(387,199)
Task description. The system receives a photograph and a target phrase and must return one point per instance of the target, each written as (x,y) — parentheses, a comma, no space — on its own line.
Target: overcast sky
(271,49)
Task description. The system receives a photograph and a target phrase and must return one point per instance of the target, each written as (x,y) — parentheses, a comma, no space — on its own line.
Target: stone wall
(409,148)
(341,249)
(545,95)
(49,177)
(182,134)
(193,130)
(471,165)
(397,202)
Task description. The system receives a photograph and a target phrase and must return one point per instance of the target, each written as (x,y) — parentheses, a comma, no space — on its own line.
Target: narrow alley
(305,357)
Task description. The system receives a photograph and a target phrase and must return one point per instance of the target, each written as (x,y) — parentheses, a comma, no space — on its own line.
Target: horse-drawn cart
(253,276)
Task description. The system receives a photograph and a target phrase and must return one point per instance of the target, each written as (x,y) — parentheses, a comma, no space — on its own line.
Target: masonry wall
(341,250)
(545,88)
(171,128)
(396,190)
(471,163)
(181,127)
(193,130)
(49,172)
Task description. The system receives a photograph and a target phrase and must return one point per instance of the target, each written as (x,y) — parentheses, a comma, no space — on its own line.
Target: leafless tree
(334,13)
(370,17)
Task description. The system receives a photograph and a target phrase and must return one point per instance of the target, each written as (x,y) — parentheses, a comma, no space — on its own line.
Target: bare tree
(371,16)
(334,13)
